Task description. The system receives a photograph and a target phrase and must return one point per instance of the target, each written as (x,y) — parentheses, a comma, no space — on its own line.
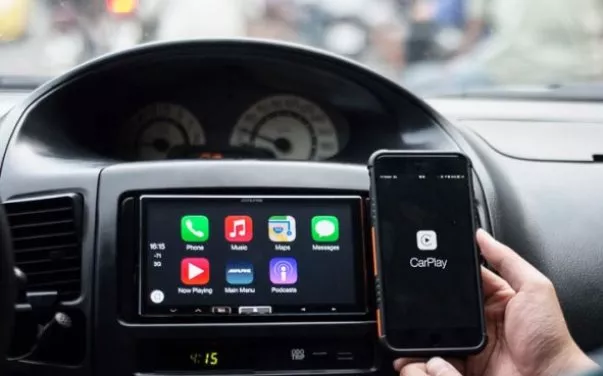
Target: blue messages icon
(239,273)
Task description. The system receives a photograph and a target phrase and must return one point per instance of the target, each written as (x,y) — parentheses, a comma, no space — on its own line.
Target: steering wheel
(7,286)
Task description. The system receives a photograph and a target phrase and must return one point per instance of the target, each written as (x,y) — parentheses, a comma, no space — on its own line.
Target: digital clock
(191,356)
(205,358)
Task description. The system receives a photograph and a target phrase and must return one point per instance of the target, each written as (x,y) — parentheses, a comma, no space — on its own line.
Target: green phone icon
(325,228)
(194,228)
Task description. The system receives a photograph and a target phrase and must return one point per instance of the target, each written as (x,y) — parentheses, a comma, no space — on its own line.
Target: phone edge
(380,314)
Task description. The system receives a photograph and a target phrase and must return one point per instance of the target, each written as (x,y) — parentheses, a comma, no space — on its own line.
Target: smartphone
(427,264)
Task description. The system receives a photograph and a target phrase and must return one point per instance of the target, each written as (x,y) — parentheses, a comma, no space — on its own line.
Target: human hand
(527,334)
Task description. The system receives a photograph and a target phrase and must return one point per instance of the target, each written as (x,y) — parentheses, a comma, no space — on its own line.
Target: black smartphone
(427,263)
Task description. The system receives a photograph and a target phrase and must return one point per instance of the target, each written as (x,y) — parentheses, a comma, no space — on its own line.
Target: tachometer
(291,127)
(157,128)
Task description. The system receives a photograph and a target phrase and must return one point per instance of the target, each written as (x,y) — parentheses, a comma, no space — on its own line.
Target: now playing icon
(194,271)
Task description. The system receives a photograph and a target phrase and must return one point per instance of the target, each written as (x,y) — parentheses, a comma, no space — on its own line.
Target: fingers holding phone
(434,367)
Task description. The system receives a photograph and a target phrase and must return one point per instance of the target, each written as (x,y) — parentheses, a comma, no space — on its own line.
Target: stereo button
(221,310)
(255,310)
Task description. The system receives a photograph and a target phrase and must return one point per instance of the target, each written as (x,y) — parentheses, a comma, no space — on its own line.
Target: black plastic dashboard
(209,97)
(199,104)
(66,139)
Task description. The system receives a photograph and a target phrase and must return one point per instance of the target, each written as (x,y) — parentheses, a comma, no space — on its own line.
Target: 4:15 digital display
(205,358)
(184,355)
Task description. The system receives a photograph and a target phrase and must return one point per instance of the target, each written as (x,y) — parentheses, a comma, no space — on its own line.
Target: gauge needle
(280,143)
(257,135)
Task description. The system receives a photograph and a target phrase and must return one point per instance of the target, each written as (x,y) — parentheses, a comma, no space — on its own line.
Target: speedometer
(157,128)
(289,126)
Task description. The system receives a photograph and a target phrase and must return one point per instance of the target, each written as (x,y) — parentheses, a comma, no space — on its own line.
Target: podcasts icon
(283,270)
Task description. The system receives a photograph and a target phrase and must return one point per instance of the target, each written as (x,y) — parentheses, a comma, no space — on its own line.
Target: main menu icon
(283,270)
(239,273)
(281,228)
(238,228)
(194,271)
(194,228)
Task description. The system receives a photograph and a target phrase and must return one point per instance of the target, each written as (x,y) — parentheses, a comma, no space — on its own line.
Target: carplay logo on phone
(427,240)
(428,262)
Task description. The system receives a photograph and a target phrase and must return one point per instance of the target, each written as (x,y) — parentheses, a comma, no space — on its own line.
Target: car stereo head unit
(251,255)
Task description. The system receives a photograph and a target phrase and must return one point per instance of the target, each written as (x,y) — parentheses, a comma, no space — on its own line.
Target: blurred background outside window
(430,46)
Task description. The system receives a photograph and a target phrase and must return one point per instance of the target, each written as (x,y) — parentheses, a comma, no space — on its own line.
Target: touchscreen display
(222,255)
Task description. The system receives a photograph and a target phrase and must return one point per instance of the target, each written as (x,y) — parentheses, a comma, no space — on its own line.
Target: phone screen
(429,263)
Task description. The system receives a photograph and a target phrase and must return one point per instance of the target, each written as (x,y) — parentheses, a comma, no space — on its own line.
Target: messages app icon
(194,228)
(325,228)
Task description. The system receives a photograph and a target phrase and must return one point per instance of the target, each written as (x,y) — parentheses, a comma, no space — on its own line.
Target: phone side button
(378,290)
(373,241)
(379,324)
(373,211)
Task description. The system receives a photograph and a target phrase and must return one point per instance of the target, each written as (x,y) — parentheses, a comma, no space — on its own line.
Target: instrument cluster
(281,126)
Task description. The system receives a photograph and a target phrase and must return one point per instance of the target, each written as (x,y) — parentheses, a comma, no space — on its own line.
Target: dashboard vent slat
(41,224)
(39,261)
(38,211)
(47,242)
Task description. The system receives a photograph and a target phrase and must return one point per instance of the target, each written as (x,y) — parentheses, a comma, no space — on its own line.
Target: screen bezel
(426,340)
(356,204)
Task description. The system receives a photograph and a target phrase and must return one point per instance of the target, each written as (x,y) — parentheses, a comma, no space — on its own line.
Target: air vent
(46,241)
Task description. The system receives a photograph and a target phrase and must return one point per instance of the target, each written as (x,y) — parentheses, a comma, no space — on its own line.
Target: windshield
(430,46)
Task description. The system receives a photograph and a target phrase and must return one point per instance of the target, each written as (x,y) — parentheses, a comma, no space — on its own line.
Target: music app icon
(238,228)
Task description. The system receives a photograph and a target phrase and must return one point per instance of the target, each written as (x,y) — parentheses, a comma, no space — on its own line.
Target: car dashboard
(238,113)
(259,123)
(230,110)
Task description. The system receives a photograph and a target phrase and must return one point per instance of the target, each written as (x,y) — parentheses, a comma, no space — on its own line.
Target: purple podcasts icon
(283,270)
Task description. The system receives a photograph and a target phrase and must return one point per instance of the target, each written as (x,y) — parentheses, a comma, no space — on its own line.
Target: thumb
(440,367)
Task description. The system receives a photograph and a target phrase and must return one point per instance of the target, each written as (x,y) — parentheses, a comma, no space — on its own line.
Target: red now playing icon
(238,228)
(194,271)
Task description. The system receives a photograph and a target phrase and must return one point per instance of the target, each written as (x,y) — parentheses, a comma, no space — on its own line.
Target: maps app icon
(281,228)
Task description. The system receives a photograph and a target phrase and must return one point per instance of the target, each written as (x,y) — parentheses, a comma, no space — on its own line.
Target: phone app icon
(194,228)
(238,228)
(281,228)
(427,240)
(239,273)
(325,228)
(194,271)
(283,270)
